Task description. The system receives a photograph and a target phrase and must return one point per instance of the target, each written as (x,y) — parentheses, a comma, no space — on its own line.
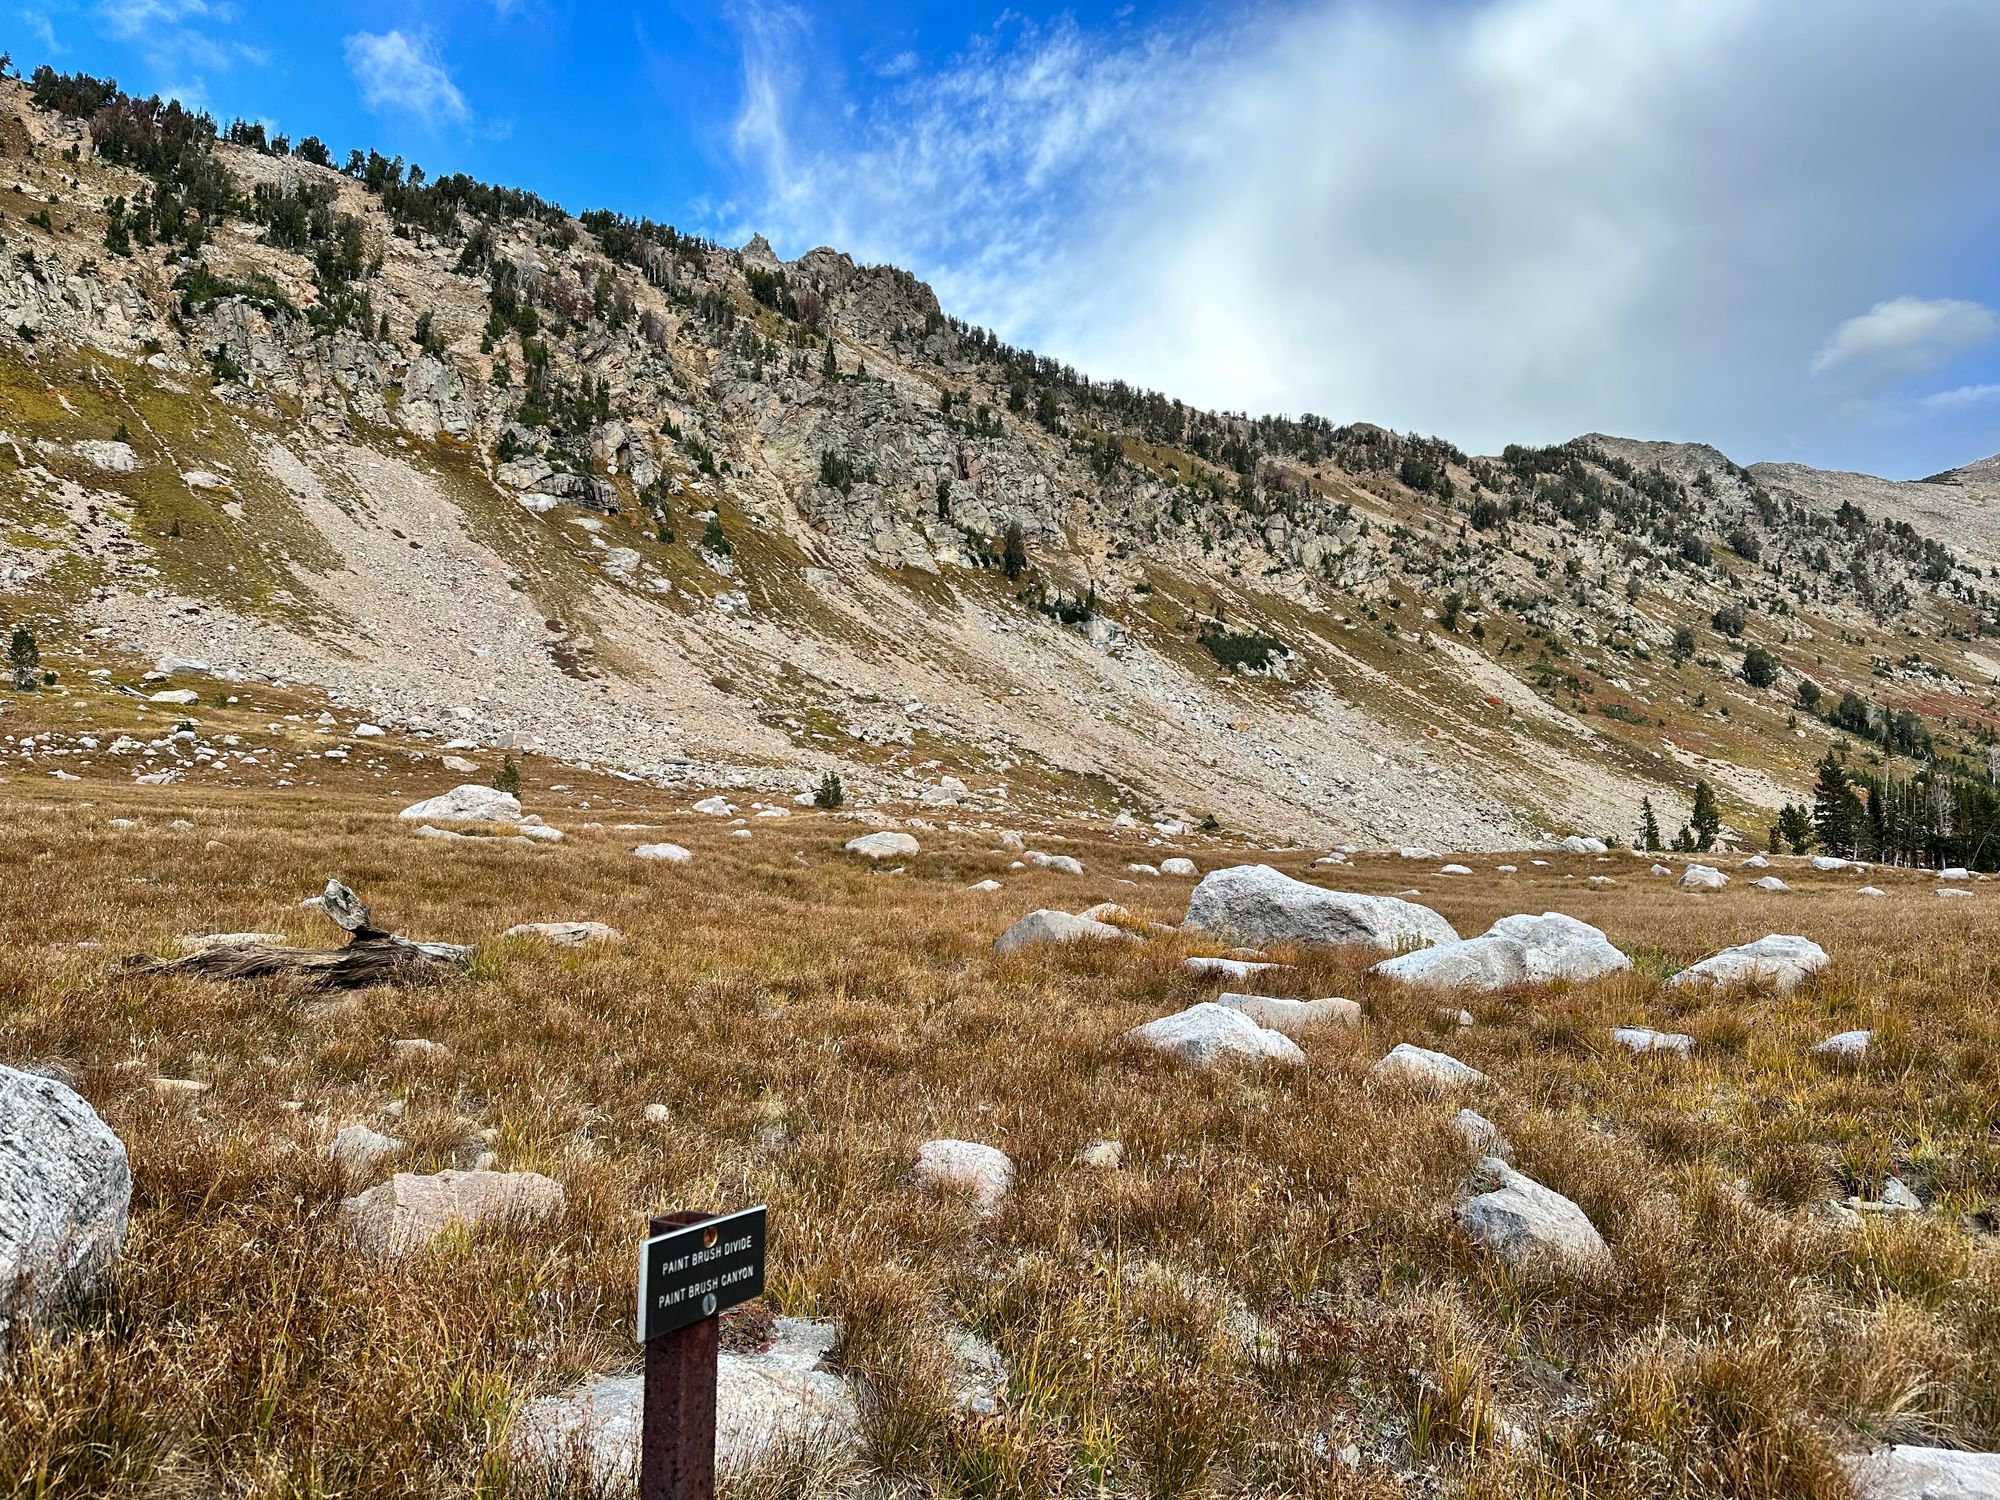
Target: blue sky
(1757,223)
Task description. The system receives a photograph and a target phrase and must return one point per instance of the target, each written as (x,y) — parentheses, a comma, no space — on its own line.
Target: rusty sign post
(692,1267)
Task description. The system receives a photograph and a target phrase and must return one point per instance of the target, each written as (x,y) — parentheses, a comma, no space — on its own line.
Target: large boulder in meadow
(1702,878)
(1257,904)
(1527,1226)
(408,1211)
(1780,961)
(1041,928)
(1907,1472)
(469,803)
(1176,865)
(1578,843)
(65,1192)
(775,1401)
(1515,950)
(1205,1035)
(888,844)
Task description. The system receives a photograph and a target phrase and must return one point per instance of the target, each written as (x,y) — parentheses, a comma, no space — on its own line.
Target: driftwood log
(371,956)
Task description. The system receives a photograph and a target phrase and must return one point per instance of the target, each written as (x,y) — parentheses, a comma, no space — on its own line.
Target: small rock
(1178,866)
(1643,1039)
(1905,1472)
(1294,1018)
(886,845)
(407,1212)
(1845,1046)
(984,887)
(1481,1136)
(1407,1064)
(673,854)
(1039,928)
(1526,1225)
(1102,1156)
(1206,1034)
(356,1149)
(983,1172)
(566,934)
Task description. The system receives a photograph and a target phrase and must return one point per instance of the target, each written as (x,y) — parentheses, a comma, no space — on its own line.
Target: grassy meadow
(1269,1298)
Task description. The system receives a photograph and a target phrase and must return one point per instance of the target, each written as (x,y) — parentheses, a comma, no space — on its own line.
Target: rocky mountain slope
(486,471)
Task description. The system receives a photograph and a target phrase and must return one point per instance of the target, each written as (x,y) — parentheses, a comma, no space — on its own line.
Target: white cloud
(1500,220)
(397,71)
(132,18)
(1906,336)
(1960,397)
(38,22)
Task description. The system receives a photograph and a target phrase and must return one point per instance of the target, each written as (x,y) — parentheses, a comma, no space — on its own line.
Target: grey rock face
(1257,904)
(65,1193)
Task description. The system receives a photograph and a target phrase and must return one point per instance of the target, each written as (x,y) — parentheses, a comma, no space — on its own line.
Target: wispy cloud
(397,71)
(132,18)
(1470,219)
(1904,337)
(1961,397)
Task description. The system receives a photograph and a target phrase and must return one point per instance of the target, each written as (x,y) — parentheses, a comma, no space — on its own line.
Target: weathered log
(370,957)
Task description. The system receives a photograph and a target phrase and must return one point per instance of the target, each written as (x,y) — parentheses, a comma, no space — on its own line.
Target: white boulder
(565,934)
(65,1193)
(1581,844)
(1178,866)
(888,844)
(1515,950)
(1702,878)
(673,854)
(1257,904)
(1907,1472)
(1294,1018)
(408,1211)
(469,803)
(1645,1039)
(1207,1034)
(1412,1065)
(1770,883)
(1040,928)
(778,1400)
(1782,961)
(1844,1046)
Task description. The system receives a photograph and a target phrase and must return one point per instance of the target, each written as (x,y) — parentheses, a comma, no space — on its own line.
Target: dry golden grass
(1273,1276)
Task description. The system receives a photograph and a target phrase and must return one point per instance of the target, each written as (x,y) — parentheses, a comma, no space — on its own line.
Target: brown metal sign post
(691,1267)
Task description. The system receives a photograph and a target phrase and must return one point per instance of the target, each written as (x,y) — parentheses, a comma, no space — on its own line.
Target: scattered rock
(1226,968)
(1408,1064)
(1455,870)
(1102,1156)
(1481,1136)
(1579,844)
(1844,1046)
(1770,883)
(1906,1472)
(180,696)
(1257,904)
(1178,866)
(1955,893)
(716,807)
(1062,862)
(1039,928)
(407,1212)
(984,887)
(1206,1034)
(1294,1017)
(1644,1039)
(1515,950)
(1526,1225)
(982,1172)
(469,803)
(1702,878)
(357,1150)
(1871,890)
(673,854)
(882,845)
(1783,961)
(774,1401)
(566,934)
(65,1193)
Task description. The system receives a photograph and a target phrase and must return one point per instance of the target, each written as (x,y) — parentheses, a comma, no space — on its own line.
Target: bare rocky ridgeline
(712,517)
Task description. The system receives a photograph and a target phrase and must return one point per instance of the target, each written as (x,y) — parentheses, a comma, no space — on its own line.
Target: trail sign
(694,1271)
(691,1267)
